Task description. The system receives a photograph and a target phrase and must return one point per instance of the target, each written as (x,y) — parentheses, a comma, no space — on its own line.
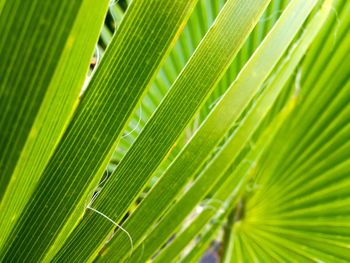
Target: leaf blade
(94,127)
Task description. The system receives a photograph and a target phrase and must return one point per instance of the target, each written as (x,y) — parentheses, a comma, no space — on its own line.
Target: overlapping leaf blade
(56,109)
(188,92)
(304,210)
(33,38)
(92,135)
(208,136)
(295,206)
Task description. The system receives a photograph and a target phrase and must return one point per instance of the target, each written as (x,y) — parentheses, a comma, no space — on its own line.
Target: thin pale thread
(106,217)
(137,125)
(117,225)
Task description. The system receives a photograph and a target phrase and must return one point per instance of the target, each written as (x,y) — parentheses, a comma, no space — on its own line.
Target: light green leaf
(219,164)
(179,106)
(208,136)
(92,134)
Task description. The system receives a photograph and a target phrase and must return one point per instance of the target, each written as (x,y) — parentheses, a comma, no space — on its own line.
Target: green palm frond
(165,130)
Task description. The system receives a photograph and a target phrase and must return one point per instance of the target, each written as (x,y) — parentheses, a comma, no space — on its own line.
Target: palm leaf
(169,120)
(192,157)
(99,132)
(215,128)
(50,113)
